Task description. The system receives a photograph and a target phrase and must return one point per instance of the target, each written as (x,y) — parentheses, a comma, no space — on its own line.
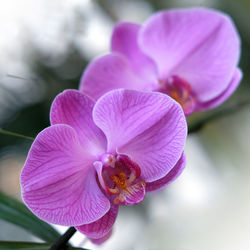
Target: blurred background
(45,45)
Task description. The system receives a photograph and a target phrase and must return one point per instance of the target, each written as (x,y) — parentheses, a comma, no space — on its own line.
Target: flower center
(120,178)
(180,90)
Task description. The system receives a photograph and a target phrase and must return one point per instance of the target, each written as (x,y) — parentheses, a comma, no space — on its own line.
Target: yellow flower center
(119,180)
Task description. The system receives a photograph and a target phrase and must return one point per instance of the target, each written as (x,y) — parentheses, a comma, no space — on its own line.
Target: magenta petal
(157,149)
(169,177)
(149,127)
(202,46)
(222,97)
(101,240)
(109,72)
(124,41)
(58,180)
(101,227)
(75,109)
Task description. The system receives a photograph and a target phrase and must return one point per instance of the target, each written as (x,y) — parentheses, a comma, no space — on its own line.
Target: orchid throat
(120,177)
(180,90)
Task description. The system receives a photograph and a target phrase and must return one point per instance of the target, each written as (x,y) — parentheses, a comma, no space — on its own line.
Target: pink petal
(124,41)
(75,109)
(109,72)
(101,227)
(222,97)
(200,45)
(101,240)
(58,180)
(149,127)
(169,177)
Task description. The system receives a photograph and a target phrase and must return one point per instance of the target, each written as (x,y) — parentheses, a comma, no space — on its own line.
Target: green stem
(198,125)
(5,132)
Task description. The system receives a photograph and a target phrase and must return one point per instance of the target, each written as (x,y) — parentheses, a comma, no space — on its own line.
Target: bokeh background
(44,47)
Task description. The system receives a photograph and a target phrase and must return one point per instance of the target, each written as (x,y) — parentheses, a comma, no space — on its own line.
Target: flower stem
(6,132)
(62,241)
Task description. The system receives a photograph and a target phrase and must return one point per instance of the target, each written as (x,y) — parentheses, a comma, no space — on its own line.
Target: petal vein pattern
(101,227)
(127,114)
(158,148)
(58,185)
(74,109)
(150,128)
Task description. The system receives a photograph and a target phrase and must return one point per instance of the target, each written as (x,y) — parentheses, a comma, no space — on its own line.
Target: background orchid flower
(98,156)
(189,54)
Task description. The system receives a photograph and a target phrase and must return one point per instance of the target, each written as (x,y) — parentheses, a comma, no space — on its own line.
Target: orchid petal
(124,41)
(169,177)
(149,127)
(101,227)
(157,149)
(222,97)
(101,240)
(202,46)
(75,109)
(58,180)
(109,72)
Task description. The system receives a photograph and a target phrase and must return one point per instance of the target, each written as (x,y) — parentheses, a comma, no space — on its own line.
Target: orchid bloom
(98,156)
(189,54)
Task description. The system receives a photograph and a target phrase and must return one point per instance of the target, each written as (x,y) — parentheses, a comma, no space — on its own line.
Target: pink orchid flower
(98,156)
(189,54)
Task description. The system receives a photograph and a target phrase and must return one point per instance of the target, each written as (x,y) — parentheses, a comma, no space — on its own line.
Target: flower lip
(120,178)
